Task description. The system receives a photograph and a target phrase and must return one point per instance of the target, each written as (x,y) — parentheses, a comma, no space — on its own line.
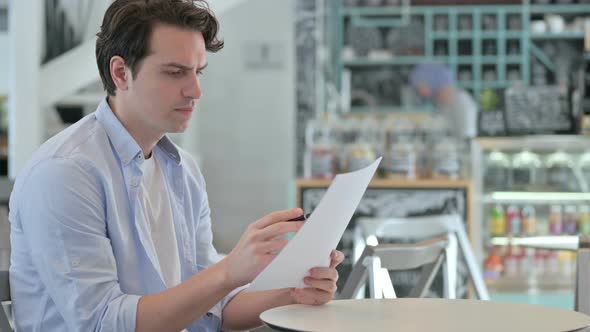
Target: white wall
(4,62)
(244,129)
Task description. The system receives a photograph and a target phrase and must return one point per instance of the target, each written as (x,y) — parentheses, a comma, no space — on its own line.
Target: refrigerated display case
(530,189)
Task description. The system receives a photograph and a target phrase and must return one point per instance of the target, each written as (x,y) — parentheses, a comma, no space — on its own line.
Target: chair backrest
(5,318)
(427,254)
(426,227)
(413,227)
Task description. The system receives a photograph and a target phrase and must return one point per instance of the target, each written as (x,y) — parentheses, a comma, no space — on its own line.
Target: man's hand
(258,246)
(321,282)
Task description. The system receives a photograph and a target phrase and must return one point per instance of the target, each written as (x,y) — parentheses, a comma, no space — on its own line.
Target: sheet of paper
(312,244)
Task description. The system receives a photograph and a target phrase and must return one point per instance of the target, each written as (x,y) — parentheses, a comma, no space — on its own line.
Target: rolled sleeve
(231,295)
(63,220)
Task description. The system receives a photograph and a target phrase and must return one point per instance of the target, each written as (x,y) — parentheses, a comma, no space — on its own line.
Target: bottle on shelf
(584,220)
(556,220)
(529,221)
(570,220)
(493,266)
(513,220)
(511,262)
(551,263)
(539,264)
(526,262)
(566,268)
(497,221)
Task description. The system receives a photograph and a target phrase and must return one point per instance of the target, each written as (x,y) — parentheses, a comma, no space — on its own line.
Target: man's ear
(119,73)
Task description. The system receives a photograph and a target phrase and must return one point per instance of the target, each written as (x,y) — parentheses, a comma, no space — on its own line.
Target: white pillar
(25,132)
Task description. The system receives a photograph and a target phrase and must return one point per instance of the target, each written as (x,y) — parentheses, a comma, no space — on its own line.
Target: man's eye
(200,73)
(175,73)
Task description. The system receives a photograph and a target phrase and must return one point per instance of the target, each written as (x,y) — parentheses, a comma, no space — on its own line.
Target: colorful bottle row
(571,220)
(518,262)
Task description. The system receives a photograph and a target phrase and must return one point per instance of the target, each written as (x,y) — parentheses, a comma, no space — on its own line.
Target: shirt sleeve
(62,214)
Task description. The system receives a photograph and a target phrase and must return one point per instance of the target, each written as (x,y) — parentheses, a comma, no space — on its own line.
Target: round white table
(423,315)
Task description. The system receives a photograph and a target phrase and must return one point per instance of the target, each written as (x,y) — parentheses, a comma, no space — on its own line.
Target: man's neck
(142,136)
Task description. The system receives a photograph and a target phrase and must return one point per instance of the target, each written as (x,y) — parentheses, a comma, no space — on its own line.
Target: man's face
(165,90)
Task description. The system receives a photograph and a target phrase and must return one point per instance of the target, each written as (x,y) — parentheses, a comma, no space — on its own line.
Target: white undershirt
(158,211)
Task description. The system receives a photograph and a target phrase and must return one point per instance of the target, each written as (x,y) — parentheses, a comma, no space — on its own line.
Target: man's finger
(321,284)
(277,229)
(277,216)
(336,257)
(324,273)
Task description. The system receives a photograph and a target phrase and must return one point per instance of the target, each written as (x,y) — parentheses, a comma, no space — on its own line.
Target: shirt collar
(125,145)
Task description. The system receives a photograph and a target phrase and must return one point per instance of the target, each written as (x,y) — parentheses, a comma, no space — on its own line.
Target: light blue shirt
(82,255)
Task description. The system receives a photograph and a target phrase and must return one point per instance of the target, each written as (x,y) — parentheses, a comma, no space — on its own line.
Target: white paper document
(312,244)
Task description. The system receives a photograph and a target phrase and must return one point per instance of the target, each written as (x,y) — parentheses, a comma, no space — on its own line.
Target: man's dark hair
(128,24)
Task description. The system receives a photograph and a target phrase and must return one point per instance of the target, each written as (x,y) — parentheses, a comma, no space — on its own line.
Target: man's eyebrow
(176,65)
(183,67)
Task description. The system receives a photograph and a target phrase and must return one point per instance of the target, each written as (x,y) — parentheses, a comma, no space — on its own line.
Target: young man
(111,227)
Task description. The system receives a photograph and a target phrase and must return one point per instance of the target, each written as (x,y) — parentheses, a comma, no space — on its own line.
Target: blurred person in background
(435,83)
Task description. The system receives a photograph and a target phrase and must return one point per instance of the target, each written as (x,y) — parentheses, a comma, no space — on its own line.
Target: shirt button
(139,157)
(135,182)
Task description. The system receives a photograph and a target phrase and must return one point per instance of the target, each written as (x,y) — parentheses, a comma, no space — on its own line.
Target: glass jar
(398,129)
(360,155)
(400,161)
(446,161)
(362,141)
(560,172)
(497,171)
(526,170)
(321,156)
